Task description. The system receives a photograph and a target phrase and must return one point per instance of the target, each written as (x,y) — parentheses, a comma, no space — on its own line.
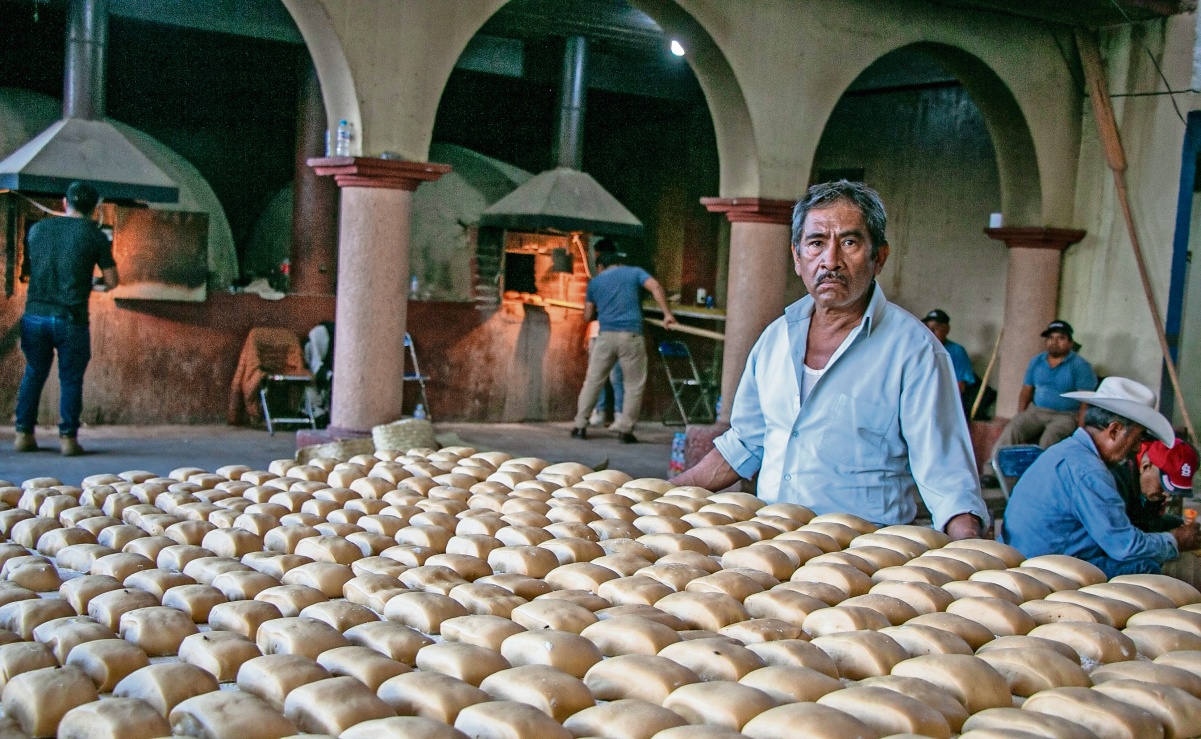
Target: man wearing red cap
(1146,482)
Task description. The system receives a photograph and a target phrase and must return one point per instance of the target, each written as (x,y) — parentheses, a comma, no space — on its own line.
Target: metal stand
(416,376)
(685,380)
(304,381)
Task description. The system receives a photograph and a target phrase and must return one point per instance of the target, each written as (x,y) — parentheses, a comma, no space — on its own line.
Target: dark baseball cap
(938,315)
(1058,327)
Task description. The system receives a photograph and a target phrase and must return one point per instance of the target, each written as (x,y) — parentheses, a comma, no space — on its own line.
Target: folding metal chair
(416,376)
(1011,462)
(691,393)
(282,382)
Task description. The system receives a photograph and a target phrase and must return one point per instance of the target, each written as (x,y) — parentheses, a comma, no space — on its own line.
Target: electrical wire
(1154,62)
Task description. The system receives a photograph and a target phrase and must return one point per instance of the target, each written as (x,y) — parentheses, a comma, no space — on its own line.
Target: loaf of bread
(650,677)
(551,691)
(1096,711)
(719,703)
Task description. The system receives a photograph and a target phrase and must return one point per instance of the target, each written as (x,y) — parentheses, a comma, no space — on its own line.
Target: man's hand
(711,473)
(1188,537)
(964,526)
(669,320)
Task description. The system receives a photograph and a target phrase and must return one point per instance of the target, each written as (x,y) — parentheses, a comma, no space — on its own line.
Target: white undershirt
(808,379)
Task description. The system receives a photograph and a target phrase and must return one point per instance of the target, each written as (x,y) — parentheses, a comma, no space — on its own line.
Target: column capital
(752,210)
(1035,237)
(392,174)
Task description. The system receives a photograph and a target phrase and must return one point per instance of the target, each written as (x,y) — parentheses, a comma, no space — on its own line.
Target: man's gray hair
(858,194)
(1099,418)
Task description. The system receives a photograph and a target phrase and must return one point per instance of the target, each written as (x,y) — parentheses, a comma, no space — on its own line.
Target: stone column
(1031,301)
(373,284)
(760,261)
(314,202)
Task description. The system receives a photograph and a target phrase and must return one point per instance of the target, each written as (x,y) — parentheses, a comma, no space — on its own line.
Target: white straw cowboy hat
(1131,400)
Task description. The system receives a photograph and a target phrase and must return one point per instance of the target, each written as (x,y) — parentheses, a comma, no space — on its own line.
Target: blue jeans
(41,337)
(613,393)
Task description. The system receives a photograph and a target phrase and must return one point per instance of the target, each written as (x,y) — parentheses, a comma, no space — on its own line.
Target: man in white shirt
(848,403)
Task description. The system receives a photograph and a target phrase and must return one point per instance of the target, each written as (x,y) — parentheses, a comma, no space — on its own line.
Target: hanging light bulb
(677,48)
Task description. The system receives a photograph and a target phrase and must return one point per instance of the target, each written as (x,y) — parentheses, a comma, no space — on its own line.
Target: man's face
(1059,344)
(941,330)
(1118,442)
(834,256)
(1150,480)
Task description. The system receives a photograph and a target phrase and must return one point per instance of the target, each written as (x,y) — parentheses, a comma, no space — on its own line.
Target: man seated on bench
(1068,501)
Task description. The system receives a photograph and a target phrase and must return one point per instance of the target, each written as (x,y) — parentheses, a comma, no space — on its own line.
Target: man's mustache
(838,277)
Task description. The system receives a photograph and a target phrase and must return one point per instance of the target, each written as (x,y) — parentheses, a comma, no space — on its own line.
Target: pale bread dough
(888,712)
(392,640)
(505,718)
(1091,641)
(166,685)
(628,718)
(243,617)
(925,692)
(21,657)
(466,662)
(402,727)
(229,714)
(918,640)
(720,703)
(714,658)
(709,611)
(299,635)
(970,679)
(113,718)
(1029,670)
(795,652)
(363,664)
(273,677)
(551,691)
(1000,617)
(1031,722)
(1096,711)
(333,705)
(563,650)
(107,661)
(862,654)
(219,653)
(787,684)
(558,614)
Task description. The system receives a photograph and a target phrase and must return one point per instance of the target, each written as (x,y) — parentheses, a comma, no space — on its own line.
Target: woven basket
(341,450)
(405,434)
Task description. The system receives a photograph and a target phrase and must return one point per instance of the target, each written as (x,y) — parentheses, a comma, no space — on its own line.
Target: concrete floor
(161,449)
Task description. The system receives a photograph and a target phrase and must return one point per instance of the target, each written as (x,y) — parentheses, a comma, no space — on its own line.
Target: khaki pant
(1040,426)
(610,348)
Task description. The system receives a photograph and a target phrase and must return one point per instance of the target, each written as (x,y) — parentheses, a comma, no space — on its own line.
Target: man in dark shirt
(61,254)
(1146,481)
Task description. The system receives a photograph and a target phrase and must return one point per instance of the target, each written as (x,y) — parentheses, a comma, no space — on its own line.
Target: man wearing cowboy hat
(1068,501)
(1047,412)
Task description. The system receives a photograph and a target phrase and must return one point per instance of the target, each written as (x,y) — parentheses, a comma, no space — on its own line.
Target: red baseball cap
(1177,464)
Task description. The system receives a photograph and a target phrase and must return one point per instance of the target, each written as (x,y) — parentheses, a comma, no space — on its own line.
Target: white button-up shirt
(884,421)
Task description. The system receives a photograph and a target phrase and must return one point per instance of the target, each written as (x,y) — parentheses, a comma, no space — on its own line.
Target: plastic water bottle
(419,411)
(414,287)
(345,134)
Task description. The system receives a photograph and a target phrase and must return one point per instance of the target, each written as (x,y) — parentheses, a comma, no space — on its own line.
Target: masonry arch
(338,89)
(939,134)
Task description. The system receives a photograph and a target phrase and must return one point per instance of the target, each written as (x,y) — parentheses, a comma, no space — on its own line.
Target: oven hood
(565,200)
(84,145)
(92,151)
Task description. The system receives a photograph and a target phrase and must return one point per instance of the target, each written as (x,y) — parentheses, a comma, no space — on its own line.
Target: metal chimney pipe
(571,103)
(87,51)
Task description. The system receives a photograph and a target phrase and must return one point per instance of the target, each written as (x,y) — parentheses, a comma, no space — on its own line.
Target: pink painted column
(373,280)
(1031,301)
(760,262)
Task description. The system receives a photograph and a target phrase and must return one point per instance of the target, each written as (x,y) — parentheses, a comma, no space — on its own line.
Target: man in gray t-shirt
(614,298)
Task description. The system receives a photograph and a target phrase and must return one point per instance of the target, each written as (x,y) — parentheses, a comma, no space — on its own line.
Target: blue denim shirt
(1068,503)
(882,424)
